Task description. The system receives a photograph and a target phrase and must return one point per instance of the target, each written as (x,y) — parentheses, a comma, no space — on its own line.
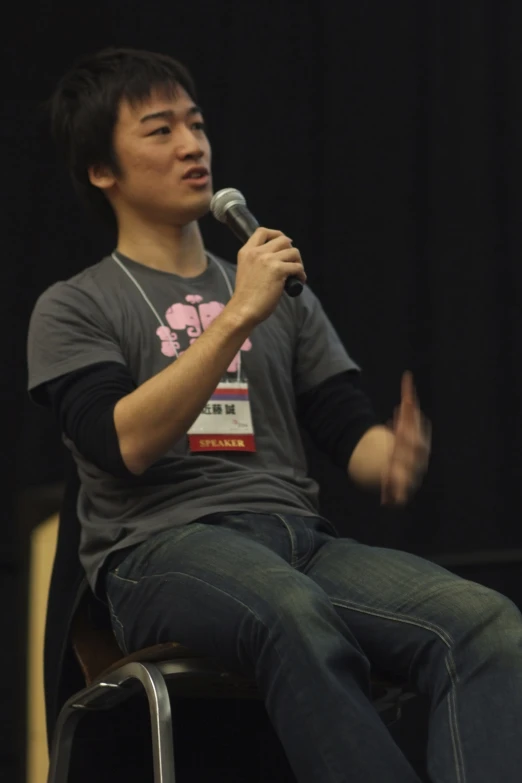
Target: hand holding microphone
(229,207)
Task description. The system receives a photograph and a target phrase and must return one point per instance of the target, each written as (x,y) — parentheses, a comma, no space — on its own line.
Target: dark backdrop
(385,139)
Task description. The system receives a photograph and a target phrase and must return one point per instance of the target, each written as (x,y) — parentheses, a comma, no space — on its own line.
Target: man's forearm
(161,411)
(371,457)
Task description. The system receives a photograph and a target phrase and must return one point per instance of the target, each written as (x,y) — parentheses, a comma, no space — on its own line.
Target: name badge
(225,423)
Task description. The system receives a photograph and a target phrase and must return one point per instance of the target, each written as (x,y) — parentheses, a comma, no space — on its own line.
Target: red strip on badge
(222,443)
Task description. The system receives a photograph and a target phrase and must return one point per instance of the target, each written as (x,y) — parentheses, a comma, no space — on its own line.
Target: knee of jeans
(490,625)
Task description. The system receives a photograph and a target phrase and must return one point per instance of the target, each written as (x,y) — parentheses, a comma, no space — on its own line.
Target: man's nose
(189,146)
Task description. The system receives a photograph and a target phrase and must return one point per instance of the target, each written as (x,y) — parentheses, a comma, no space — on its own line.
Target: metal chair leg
(160,715)
(105,694)
(60,760)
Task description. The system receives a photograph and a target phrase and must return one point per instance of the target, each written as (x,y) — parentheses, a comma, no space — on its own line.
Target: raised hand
(410,455)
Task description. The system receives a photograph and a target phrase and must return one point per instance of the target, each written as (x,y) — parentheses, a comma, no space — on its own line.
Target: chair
(111,679)
(80,649)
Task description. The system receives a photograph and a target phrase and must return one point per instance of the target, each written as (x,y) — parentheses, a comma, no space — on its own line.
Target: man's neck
(174,249)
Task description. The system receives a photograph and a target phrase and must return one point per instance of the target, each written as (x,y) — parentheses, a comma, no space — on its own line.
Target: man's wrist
(239,316)
(237,319)
(371,457)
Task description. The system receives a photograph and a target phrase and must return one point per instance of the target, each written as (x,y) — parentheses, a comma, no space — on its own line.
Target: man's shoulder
(84,286)
(89,278)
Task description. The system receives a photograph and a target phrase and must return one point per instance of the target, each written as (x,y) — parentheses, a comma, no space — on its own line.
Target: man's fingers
(412,447)
(277,244)
(412,456)
(263,235)
(409,416)
(412,438)
(396,487)
(294,269)
(396,492)
(394,495)
(406,470)
(405,419)
(408,393)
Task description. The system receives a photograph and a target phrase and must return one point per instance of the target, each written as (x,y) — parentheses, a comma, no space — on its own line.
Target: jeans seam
(410,620)
(119,623)
(124,579)
(453,721)
(450,667)
(304,558)
(203,581)
(293,541)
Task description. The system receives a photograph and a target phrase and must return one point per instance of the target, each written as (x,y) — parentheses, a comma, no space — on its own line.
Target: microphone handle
(243,224)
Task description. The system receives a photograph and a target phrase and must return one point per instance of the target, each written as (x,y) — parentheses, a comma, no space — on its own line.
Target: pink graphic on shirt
(192,321)
(209,312)
(169,343)
(182,317)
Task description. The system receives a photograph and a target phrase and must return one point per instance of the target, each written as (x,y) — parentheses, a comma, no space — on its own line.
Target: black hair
(84,109)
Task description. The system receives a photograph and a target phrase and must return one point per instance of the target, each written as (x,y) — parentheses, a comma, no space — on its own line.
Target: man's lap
(189,583)
(180,584)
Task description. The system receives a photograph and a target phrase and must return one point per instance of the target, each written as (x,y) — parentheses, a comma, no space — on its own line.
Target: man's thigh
(397,604)
(202,586)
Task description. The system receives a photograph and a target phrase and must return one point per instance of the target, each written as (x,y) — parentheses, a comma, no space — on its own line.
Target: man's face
(164,157)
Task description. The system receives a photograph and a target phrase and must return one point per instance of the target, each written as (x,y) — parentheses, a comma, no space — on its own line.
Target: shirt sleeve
(68,331)
(83,402)
(336,414)
(319,352)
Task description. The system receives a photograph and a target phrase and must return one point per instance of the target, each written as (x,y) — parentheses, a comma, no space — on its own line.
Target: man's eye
(163,131)
(199,126)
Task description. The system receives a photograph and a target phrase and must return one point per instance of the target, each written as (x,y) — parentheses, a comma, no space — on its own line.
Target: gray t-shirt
(101,315)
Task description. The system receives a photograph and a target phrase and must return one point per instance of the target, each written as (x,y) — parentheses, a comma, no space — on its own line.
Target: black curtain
(385,138)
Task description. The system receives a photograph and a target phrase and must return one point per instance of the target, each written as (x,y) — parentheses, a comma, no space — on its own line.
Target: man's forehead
(175,99)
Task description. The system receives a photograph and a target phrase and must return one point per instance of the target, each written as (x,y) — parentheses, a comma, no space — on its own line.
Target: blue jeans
(281,597)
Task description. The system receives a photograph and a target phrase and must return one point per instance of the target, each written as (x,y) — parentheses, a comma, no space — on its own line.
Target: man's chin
(199,205)
(188,212)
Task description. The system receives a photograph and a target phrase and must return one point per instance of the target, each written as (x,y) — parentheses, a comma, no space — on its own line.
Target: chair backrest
(79,643)
(62,675)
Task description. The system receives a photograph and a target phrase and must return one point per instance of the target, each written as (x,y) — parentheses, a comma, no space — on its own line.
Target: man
(178,382)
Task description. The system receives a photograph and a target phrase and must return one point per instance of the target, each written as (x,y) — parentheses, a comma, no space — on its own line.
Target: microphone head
(223,200)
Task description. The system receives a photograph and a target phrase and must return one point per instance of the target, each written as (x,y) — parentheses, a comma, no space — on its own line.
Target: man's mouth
(196,173)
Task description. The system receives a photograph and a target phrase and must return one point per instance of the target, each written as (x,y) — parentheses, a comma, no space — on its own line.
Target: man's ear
(101,176)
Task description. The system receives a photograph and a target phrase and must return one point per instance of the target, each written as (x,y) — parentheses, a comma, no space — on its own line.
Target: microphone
(229,207)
